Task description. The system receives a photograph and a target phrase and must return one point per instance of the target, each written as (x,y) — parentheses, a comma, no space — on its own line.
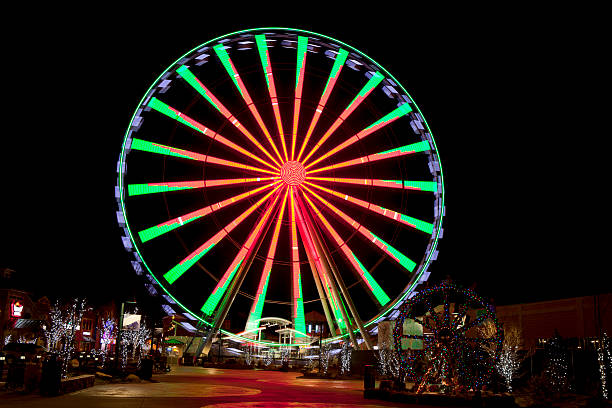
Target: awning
(173,341)
(28,324)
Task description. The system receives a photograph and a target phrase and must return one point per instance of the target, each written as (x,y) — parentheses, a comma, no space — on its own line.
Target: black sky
(504,93)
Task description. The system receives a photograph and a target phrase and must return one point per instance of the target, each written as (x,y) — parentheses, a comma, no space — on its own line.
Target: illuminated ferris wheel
(277,172)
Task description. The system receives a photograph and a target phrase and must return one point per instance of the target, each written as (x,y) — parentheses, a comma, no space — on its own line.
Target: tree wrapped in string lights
(604,361)
(511,356)
(71,318)
(108,333)
(451,344)
(287,155)
(556,371)
(345,358)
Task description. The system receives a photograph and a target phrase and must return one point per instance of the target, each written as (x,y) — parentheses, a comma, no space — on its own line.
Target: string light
(345,358)
(452,359)
(107,335)
(556,370)
(603,354)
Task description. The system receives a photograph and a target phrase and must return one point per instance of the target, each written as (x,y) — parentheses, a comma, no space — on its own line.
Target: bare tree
(511,355)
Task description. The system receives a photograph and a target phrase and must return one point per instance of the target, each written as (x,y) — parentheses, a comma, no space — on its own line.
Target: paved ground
(187,387)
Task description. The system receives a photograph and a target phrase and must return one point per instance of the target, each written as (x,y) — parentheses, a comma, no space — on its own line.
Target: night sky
(505,97)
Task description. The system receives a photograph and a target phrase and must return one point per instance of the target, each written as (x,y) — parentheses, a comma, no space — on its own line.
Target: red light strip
(302,50)
(314,254)
(394,215)
(391,117)
(267,66)
(143,145)
(210,183)
(383,246)
(208,95)
(253,236)
(333,77)
(295,260)
(177,222)
(194,124)
(403,151)
(363,182)
(247,98)
(256,308)
(363,94)
(349,255)
(177,271)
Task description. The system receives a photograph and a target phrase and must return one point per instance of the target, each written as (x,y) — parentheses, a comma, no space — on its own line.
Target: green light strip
(139,189)
(165,110)
(225,60)
(145,146)
(300,323)
(418,224)
(213,300)
(421,146)
(396,113)
(422,185)
(262,47)
(338,64)
(402,259)
(371,84)
(188,76)
(176,272)
(378,292)
(301,50)
(256,315)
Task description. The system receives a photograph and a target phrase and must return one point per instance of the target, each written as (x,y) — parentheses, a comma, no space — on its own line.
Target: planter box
(73,384)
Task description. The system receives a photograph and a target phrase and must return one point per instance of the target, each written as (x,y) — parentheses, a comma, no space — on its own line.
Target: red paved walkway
(207,387)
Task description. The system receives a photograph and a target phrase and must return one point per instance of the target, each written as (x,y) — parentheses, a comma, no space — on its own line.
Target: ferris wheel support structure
(331,268)
(255,241)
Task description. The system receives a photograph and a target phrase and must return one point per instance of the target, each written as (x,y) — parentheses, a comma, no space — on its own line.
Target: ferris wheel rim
(122,163)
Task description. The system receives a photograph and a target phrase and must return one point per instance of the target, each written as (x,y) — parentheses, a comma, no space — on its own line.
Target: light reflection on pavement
(167,390)
(269,404)
(197,387)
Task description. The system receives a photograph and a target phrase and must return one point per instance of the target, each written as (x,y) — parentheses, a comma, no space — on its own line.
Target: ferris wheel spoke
(413,336)
(394,215)
(317,258)
(180,117)
(385,247)
(156,148)
(460,313)
(299,323)
(329,86)
(153,188)
(233,73)
(402,110)
(191,79)
(372,83)
(165,227)
(480,340)
(387,154)
(213,300)
(476,322)
(366,277)
(260,296)
(302,48)
(262,47)
(177,271)
(397,184)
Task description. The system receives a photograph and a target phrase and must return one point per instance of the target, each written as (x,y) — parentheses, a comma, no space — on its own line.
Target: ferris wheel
(275,172)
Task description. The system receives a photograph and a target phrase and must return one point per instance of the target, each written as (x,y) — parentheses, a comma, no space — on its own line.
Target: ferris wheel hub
(293,173)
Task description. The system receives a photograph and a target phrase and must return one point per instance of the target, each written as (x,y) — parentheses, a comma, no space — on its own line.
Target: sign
(131,321)
(16,309)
